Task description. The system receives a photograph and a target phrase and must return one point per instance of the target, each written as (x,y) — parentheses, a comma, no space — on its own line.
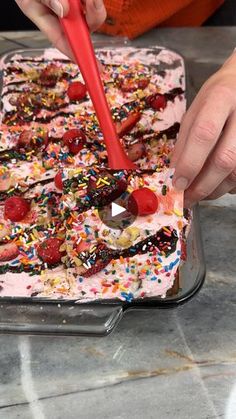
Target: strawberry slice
(58,180)
(129,85)
(49,251)
(142,201)
(157,101)
(16,208)
(8,251)
(76,91)
(136,151)
(50,75)
(83,246)
(75,140)
(30,139)
(125,126)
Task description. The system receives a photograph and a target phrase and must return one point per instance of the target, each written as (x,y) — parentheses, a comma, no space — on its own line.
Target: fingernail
(57,7)
(98,4)
(181,183)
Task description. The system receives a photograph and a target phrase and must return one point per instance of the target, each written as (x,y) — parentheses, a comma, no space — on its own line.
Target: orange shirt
(133,17)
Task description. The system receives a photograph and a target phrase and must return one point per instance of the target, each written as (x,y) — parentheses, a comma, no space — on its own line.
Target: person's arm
(205,154)
(45,13)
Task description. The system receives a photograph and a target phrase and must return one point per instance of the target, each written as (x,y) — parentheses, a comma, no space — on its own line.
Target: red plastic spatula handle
(77,32)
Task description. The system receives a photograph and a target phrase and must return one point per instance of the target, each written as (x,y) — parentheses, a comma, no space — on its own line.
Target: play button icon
(116,209)
(116,215)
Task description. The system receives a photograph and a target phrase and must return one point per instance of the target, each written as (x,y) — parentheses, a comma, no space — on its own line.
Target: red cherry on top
(49,251)
(143,202)
(157,101)
(58,180)
(76,91)
(16,208)
(75,140)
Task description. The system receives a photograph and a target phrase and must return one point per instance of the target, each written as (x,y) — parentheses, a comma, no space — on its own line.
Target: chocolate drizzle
(11,118)
(12,91)
(162,241)
(41,60)
(22,190)
(171,95)
(170,133)
(13,83)
(6,155)
(31,269)
(143,103)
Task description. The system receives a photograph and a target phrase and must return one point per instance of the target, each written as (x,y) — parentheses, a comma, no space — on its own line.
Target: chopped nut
(77,261)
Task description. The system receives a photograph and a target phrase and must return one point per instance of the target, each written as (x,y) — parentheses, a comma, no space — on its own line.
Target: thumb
(59,7)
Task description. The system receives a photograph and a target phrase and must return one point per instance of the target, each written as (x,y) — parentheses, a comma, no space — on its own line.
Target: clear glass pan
(41,316)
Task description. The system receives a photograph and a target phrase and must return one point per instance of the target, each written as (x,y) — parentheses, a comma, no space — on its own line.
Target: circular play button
(116,214)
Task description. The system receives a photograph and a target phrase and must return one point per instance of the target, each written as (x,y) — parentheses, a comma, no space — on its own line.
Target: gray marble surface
(157,364)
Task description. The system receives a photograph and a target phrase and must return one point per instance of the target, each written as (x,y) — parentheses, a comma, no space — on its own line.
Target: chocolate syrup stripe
(40,60)
(161,240)
(31,269)
(43,120)
(66,61)
(25,117)
(22,191)
(170,134)
(171,95)
(11,117)
(66,76)
(13,83)
(7,155)
(8,92)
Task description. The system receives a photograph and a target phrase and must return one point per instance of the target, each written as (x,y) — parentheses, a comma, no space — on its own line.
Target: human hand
(205,153)
(45,13)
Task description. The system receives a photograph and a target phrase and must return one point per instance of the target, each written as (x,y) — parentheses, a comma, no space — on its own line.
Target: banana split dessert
(57,237)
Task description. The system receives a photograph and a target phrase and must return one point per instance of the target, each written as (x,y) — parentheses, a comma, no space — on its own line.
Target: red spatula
(77,32)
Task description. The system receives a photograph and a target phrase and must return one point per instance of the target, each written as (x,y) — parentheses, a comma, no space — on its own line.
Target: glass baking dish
(67,317)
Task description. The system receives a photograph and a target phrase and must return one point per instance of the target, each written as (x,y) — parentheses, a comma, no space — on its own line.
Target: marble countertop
(157,364)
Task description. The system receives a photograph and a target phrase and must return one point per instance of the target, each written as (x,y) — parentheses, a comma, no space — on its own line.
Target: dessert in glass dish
(59,240)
